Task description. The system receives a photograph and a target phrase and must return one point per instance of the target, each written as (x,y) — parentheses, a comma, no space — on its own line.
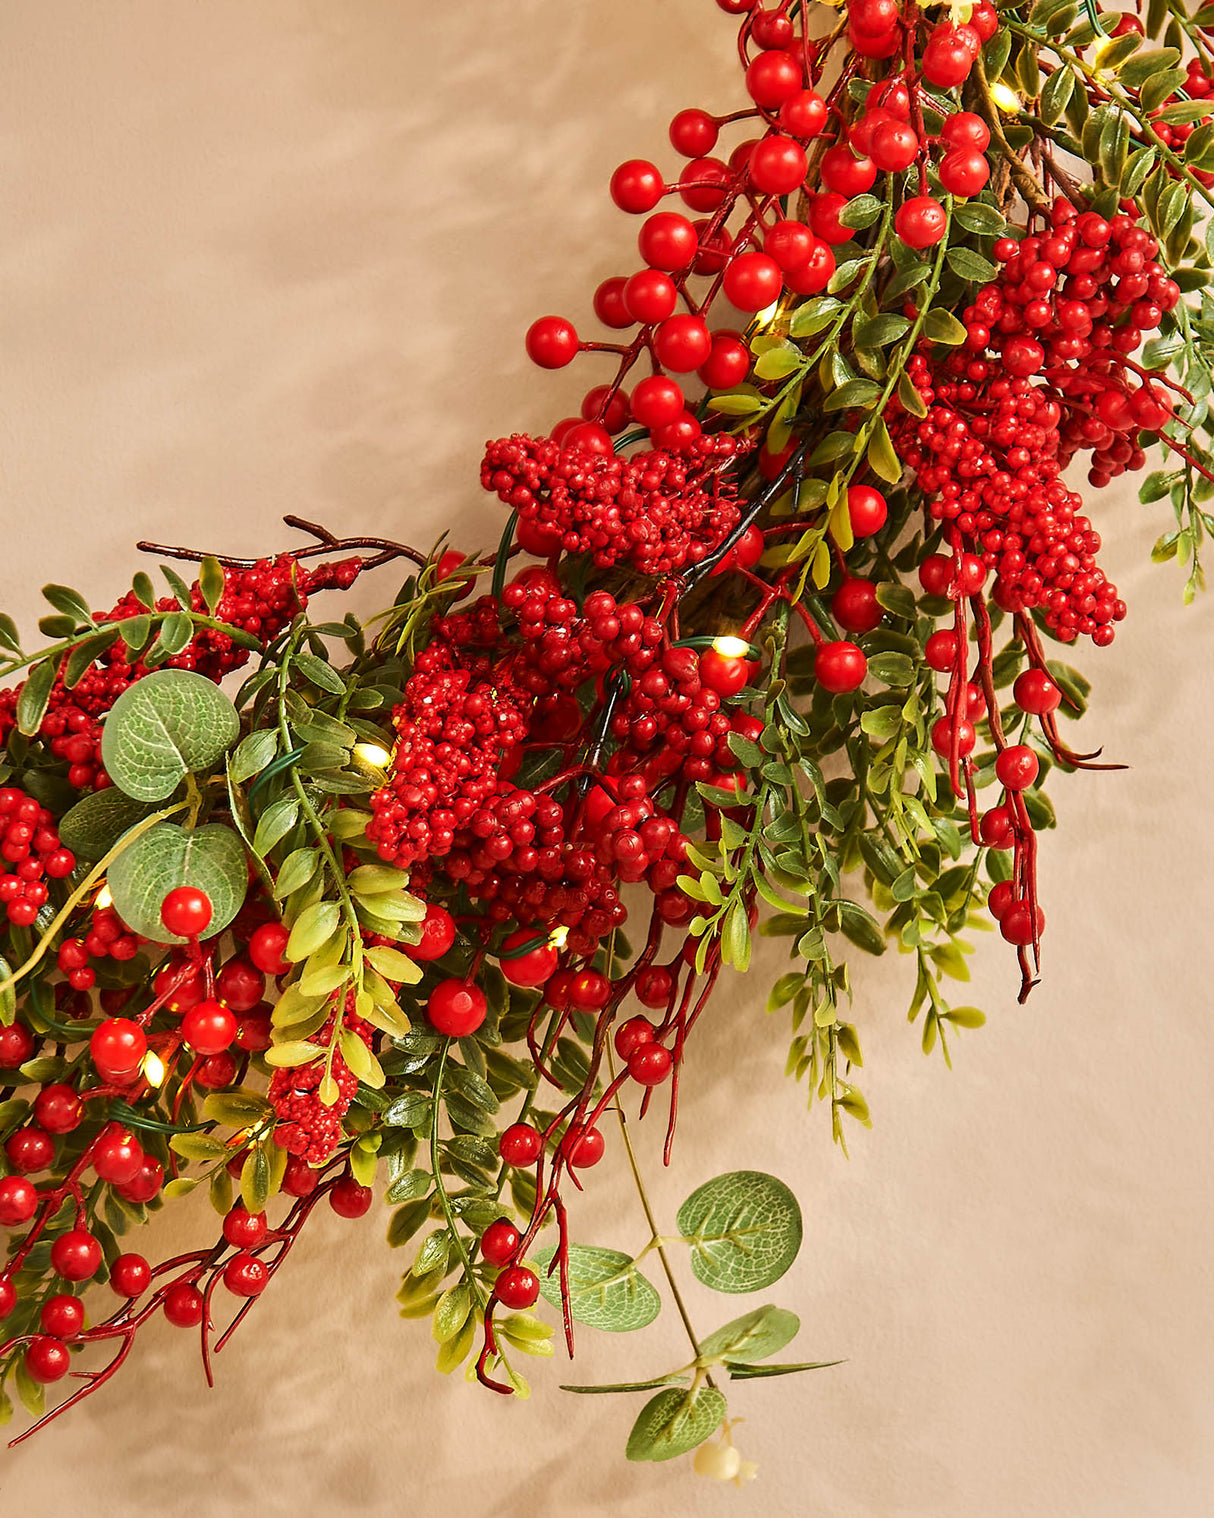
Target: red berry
(590,991)
(520,1144)
(350,1200)
(773,77)
(777,165)
(654,986)
(186,912)
(266,948)
(636,186)
(183,1305)
(246,1276)
(517,1288)
(965,130)
(532,968)
(299,1179)
(609,304)
(189,992)
(1017,767)
(552,342)
(895,146)
(254,1031)
(942,732)
(657,401)
(840,667)
(920,222)
(936,574)
(117,1047)
(76,1256)
(18,1201)
(940,650)
(209,1028)
(456,1008)
(240,985)
(682,343)
(117,1156)
(130,1275)
(727,364)
(854,606)
(1036,693)
(583,1146)
(147,1182)
(668,241)
(47,1360)
(866,510)
(62,1316)
(499,1241)
(753,281)
(846,174)
(693,133)
(1018,921)
(649,1065)
(724,673)
(16,1046)
(244,1229)
(996,828)
(28,1150)
(58,1109)
(631,1035)
(651,296)
(964,172)
(8,1296)
(438,934)
(803,113)
(1000,898)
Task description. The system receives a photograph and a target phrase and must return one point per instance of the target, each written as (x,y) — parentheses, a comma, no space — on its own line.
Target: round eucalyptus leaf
(606,1290)
(744,1229)
(674,1422)
(753,1337)
(169,724)
(95,824)
(212,858)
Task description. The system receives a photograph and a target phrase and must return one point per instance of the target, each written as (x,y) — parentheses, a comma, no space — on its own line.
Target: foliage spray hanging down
(435,904)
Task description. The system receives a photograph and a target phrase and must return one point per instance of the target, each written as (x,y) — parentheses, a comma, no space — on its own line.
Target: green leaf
(674,1422)
(34,697)
(892,668)
(879,331)
(94,825)
(255,1180)
(275,823)
(85,655)
(294,1052)
(860,212)
(744,1372)
(235,1109)
(175,633)
(211,858)
(1159,86)
(315,925)
(170,724)
(943,327)
(895,598)
(199,1148)
(863,930)
(321,673)
(68,601)
(1139,69)
(882,455)
(856,393)
(744,1229)
(753,1337)
(968,265)
(9,636)
(253,754)
(606,1290)
(211,582)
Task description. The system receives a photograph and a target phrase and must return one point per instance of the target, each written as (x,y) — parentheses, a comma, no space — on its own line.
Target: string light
(374,754)
(731,648)
(104,900)
(153,1069)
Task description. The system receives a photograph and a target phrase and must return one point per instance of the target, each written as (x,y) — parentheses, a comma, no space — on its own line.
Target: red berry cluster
(30,847)
(260,599)
(654,511)
(454,727)
(107,938)
(987,456)
(306,1126)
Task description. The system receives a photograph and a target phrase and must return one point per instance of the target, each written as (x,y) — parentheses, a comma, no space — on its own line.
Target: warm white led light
(1005,99)
(373,753)
(153,1069)
(731,648)
(104,899)
(556,939)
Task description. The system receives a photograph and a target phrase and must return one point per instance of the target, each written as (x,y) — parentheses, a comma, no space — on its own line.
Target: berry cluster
(454,726)
(652,511)
(307,1126)
(260,599)
(30,847)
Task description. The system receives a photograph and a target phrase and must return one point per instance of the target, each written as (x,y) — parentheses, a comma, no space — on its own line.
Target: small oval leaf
(606,1290)
(744,1229)
(162,728)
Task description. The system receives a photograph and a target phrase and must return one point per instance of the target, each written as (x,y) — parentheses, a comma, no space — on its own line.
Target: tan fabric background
(280,257)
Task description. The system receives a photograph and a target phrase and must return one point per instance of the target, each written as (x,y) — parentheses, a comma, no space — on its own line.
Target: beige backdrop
(280,257)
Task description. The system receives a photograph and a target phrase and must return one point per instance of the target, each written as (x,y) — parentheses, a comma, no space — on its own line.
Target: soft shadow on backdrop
(280,257)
